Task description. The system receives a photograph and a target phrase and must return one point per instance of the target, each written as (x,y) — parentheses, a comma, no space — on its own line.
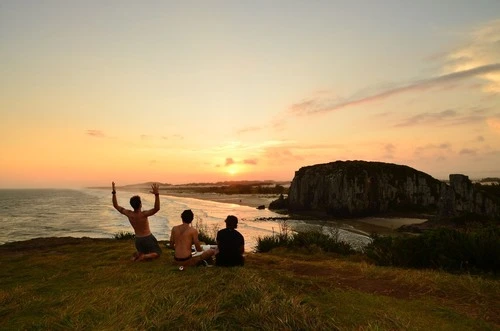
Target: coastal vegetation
(473,249)
(81,284)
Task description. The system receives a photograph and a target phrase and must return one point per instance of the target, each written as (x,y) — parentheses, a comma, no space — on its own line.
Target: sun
(232,170)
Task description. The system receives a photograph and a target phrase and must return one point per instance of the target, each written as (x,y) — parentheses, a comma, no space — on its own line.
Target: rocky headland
(363,188)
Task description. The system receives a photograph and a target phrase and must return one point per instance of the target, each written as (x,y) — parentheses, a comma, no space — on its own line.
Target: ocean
(27,214)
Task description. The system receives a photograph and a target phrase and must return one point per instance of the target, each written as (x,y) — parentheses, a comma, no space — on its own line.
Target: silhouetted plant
(311,239)
(124,235)
(447,249)
(280,239)
(206,235)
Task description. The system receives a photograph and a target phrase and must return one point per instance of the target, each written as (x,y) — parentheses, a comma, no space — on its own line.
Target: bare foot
(137,256)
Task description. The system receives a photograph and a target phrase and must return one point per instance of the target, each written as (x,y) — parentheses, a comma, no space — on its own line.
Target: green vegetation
(312,240)
(124,235)
(231,188)
(90,284)
(475,249)
(205,234)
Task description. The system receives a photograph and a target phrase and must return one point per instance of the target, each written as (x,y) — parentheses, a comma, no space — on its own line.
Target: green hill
(77,284)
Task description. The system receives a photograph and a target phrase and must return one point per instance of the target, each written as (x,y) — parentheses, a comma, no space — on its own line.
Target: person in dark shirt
(230,244)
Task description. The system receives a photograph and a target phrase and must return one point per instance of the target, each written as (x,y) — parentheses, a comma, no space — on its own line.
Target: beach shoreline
(249,200)
(367,225)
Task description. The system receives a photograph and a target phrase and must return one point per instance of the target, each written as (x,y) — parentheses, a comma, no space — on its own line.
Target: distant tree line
(492,190)
(243,189)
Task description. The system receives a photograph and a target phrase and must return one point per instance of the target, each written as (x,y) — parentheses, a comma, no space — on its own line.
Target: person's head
(187,216)
(135,202)
(231,222)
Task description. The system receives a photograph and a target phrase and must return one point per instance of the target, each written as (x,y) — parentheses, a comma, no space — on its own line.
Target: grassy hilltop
(75,284)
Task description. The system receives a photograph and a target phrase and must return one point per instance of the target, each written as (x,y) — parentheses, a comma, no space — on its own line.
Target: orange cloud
(96,133)
(316,106)
(494,124)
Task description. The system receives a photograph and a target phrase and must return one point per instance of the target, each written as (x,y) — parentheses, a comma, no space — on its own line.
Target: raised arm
(115,203)
(155,189)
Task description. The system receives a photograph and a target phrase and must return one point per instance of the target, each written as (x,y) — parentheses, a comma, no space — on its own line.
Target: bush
(447,249)
(281,239)
(311,240)
(326,242)
(206,235)
(123,235)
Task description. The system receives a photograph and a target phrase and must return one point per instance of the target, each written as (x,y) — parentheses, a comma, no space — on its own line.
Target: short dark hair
(135,202)
(231,222)
(187,216)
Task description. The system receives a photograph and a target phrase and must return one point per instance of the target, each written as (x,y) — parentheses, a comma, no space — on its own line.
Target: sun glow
(232,170)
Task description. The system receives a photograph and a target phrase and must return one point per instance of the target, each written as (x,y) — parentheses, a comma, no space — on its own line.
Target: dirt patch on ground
(348,278)
(352,278)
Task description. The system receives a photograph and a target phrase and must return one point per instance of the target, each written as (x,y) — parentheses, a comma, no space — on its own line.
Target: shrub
(206,235)
(124,235)
(281,239)
(326,242)
(447,249)
(311,240)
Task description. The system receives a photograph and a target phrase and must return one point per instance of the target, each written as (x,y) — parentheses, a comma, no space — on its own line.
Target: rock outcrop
(362,188)
(461,197)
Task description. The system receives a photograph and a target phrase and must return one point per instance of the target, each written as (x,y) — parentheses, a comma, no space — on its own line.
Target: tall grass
(319,239)
(206,234)
(124,235)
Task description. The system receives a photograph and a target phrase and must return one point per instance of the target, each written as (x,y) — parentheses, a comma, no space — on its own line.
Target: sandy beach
(368,224)
(250,200)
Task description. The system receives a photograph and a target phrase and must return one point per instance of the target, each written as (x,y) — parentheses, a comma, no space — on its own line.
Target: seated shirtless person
(145,243)
(181,239)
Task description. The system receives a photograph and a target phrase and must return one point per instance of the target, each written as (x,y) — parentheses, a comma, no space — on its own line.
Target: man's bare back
(182,237)
(139,221)
(146,244)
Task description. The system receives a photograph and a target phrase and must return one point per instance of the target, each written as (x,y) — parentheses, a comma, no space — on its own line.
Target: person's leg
(148,248)
(136,256)
(207,254)
(147,257)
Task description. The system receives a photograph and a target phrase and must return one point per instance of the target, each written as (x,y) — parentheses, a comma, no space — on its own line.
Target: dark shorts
(147,244)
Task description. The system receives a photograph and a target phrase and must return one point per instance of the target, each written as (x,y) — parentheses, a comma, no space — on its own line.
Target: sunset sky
(204,91)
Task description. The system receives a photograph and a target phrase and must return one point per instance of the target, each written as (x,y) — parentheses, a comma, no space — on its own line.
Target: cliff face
(462,197)
(358,188)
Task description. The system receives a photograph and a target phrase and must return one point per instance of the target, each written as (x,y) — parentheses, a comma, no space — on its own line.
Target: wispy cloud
(96,133)
(389,151)
(318,106)
(494,124)
(425,118)
(230,161)
(282,154)
(481,48)
(449,117)
(432,148)
(250,161)
(467,151)
(478,57)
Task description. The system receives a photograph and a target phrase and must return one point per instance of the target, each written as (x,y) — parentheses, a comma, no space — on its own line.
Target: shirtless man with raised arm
(181,239)
(145,243)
